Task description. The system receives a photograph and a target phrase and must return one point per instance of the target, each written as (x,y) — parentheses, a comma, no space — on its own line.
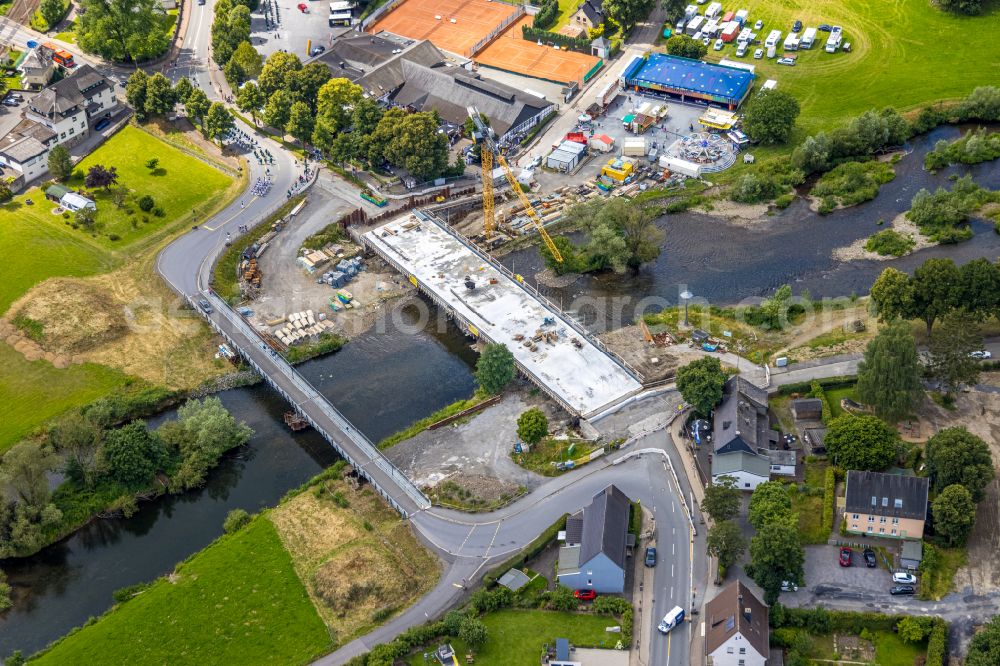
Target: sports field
(433,20)
(511,52)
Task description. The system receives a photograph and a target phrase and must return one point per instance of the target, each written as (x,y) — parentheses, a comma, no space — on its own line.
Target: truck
(671,620)
(808,38)
(833,41)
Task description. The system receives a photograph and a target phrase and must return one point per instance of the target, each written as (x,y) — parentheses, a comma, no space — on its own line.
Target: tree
(78,438)
(160,98)
(472,632)
(135,92)
(774,310)
(197,105)
(892,293)
(776,555)
(305,83)
(86,217)
(937,290)
(770,116)
(968,7)
(203,431)
(247,62)
(954,515)
(770,503)
(722,499)
(889,375)
(131,454)
(236,520)
(635,225)
(60,163)
(218,121)
(980,288)
(182,89)
(122,30)
(277,72)
(701,383)
(230,28)
(495,368)
(300,122)
(278,108)
(52,11)
(955,455)
(686,47)
(101,176)
(862,442)
(152,163)
(913,629)
(5,602)
(336,101)
(951,346)
(626,12)
(250,100)
(24,472)
(417,146)
(726,542)
(984,649)
(532,426)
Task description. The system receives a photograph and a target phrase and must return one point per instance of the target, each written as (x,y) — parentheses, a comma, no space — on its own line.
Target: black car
(824,27)
(316,50)
(650,557)
(901,589)
(870,558)
(205,306)
(796,26)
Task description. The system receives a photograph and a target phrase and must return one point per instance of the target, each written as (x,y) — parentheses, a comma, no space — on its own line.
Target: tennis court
(451,25)
(512,53)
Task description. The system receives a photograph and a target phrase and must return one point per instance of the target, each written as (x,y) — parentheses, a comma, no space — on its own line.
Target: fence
(378,13)
(495,32)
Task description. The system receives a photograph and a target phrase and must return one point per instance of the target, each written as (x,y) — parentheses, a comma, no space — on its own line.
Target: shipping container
(730,32)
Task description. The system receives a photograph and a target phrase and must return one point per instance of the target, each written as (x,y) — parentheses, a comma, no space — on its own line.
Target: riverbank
(902,224)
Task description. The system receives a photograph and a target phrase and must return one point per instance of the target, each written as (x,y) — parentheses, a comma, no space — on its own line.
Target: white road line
(673,548)
(466,539)
(671,570)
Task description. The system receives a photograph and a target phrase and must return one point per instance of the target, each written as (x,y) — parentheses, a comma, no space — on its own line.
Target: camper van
(833,41)
(808,38)
(773,38)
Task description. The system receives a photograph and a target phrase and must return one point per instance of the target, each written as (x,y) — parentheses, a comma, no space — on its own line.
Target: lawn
(566,10)
(33,392)
(835,395)
(180,185)
(891,650)
(238,601)
(809,505)
(518,636)
(551,450)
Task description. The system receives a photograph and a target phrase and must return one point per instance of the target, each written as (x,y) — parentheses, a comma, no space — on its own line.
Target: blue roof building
(689,80)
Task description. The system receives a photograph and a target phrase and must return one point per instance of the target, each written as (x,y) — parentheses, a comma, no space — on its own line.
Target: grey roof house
(886,505)
(597,541)
(741,429)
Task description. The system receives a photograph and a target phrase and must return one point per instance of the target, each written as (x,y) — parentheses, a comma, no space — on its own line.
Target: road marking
(673,506)
(671,570)
(702,625)
(466,539)
(255,197)
(668,648)
(458,585)
(673,548)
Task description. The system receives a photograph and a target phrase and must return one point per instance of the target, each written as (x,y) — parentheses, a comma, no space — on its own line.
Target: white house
(736,632)
(748,469)
(25,149)
(741,429)
(69,107)
(782,462)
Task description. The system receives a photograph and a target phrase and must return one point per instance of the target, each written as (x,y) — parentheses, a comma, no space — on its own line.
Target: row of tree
(99,460)
(154,95)
(231,47)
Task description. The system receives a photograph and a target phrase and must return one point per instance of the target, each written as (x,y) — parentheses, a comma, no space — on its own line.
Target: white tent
(73,201)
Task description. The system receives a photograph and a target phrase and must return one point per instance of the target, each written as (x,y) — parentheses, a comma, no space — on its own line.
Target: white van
(671,619)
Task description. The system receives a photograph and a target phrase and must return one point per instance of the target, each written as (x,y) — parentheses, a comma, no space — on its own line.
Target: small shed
(56,192)
(513,580)
(814,438)
(807,409)
(602,142)
(782,462)
(74,202)
(600,48)
(912,553)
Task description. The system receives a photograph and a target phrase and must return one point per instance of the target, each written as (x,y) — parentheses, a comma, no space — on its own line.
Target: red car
(585,595)
(846,556)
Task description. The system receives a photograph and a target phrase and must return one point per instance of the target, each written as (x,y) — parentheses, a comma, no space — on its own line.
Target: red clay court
(474,19)
(511,52)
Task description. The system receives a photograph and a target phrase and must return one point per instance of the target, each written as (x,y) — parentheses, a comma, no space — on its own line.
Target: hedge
(572,43)
(817,392)
(546,15)
(822,621)
(937,643)
(829,497)
(826,383)
(534,548)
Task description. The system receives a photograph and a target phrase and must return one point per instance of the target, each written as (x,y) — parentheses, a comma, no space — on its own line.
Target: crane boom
(487,149)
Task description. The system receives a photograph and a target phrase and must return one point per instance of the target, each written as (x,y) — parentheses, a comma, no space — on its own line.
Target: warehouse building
(687,80)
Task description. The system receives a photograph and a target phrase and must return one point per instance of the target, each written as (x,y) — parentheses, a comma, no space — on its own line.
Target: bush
(829,497)
(534,548)
(784,201)
(236,520)
(937,643)
(852,183)
(546,16)
(561,599)
(158,212)
(572,43)
(890,242)
(123,594)
(146,203)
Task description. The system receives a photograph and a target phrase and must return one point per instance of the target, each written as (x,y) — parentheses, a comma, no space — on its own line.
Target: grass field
(517,636)
(33,392)
(238,601)
(891,650)
(905,53)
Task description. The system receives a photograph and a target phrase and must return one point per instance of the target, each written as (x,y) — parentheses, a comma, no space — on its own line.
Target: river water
(724,263)
(381,381)
(410,366)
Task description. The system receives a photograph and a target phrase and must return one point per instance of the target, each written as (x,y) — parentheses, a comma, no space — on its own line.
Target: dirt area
(186,136)
(831,332)
(354,556)
(900,223)
(288,288)
(460,453)
(979,412)
(739,214)
(125,319)
(653,362)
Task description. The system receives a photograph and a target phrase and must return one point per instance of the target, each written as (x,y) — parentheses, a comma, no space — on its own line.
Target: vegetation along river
(387,378)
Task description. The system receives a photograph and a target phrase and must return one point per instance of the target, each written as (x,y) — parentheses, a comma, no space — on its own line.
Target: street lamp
(686,296)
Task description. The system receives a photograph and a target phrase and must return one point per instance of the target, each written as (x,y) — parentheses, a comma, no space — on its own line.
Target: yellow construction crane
(490,151)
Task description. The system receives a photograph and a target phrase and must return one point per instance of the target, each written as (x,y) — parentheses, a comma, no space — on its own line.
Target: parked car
(823,27)
(10,102)
(981,355)
(788,586)
(650,557)
(846,556)
(316,50)
(787,61)
(201,2)
(719,44)
(706,40)
(796,26)
(870,558)
(15,95)
(758,25)
(904,579)
(901,589)
(585,595)
(101,124)
(758,54)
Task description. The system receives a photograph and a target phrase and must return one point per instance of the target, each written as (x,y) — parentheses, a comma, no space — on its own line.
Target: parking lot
(824,575)
(296,29)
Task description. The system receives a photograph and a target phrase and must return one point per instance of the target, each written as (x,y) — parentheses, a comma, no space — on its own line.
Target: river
(725,263)
(381,381)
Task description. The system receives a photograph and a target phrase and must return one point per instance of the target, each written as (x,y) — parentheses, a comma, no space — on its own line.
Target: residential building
(69,107)
(782,461)
(596,544)
(736,631)
(419,78)
(37,69)
(748,469)
(886,505)
(25,149)
(741,431)
(588,15)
